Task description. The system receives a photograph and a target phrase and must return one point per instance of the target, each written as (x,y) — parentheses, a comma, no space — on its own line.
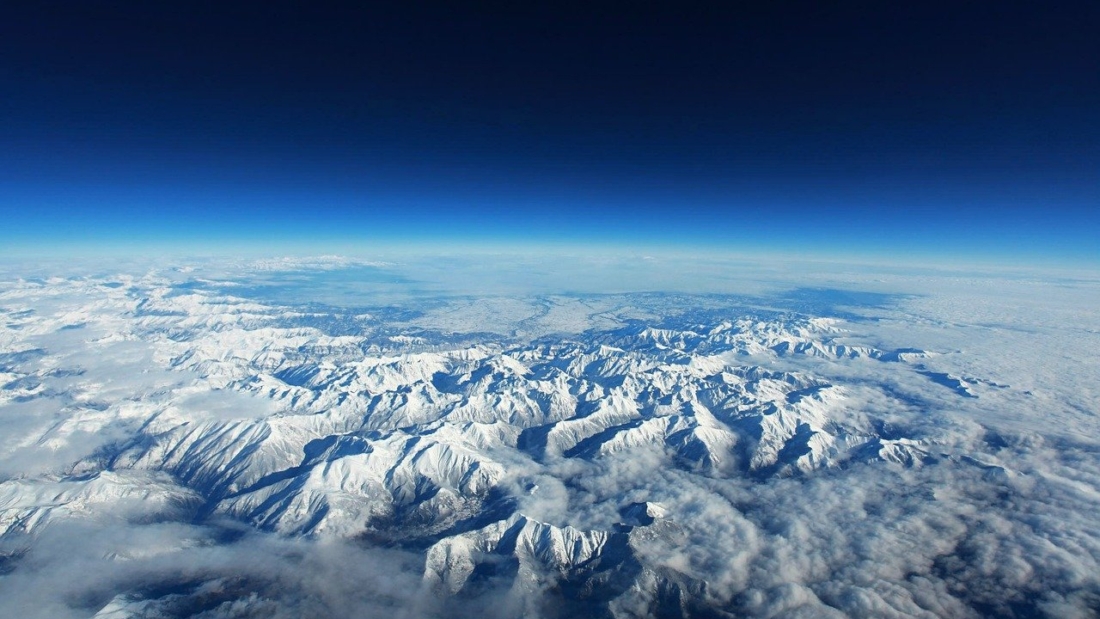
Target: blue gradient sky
(938,130)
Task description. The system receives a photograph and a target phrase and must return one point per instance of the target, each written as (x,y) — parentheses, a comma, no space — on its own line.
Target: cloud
(77,567)
(998,520)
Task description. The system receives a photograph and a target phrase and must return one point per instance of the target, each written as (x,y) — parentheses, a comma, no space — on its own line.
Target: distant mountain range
(545,467)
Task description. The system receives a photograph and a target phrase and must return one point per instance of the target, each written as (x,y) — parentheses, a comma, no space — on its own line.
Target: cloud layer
(935,453)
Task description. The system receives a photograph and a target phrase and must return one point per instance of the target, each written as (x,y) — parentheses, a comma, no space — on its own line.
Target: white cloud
(999,519)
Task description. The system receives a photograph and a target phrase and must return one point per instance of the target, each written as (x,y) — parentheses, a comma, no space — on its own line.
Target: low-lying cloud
(996,518)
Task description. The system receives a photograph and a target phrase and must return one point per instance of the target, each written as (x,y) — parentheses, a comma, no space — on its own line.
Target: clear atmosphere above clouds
(717,310)
(924,131)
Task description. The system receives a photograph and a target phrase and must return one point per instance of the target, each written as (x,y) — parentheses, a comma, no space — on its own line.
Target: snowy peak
(642,514)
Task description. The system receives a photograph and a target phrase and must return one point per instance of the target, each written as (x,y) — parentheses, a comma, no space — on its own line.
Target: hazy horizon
(871,131)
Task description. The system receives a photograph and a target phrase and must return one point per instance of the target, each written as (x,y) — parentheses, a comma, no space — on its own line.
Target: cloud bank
(170,449)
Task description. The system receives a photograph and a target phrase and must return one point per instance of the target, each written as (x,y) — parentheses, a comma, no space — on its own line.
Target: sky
(959,130)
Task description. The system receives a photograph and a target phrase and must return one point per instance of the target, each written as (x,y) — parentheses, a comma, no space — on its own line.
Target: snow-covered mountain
(556,465)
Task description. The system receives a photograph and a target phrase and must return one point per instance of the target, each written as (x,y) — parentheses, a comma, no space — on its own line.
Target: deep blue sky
(903,128)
